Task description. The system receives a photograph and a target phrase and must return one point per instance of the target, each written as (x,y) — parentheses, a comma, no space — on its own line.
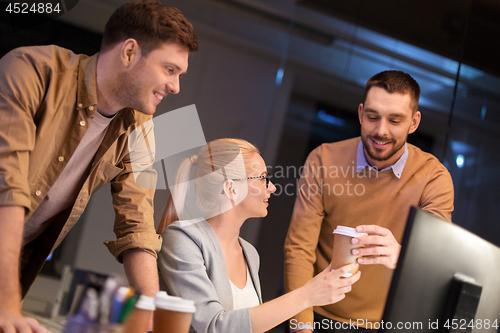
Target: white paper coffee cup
(342,248)
(173,314)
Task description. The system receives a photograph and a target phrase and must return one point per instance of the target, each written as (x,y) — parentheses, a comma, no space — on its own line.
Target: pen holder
(77,325)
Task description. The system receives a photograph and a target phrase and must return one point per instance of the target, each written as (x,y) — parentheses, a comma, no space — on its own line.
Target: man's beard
(129,90)
(371,153)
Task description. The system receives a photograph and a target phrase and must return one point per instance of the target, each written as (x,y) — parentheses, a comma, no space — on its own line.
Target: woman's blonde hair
(214,165)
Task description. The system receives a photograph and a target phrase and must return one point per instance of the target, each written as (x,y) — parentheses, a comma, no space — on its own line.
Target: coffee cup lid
(173,303)
(348,231)
(145,303)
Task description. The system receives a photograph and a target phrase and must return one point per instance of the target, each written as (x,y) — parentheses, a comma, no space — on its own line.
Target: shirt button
(60,158)
(38,193)
(91,108)
(80,105)
(82,123)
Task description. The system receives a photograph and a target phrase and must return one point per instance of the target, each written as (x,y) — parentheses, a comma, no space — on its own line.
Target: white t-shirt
(246,297)
(67,186)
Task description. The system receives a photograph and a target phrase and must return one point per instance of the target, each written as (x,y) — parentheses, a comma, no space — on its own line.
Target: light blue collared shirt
(397,167)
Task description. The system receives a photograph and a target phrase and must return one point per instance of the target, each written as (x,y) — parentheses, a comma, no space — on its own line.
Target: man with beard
(367,183)
(64,133)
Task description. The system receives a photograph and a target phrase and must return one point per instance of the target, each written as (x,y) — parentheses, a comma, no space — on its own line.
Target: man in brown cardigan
(368,183)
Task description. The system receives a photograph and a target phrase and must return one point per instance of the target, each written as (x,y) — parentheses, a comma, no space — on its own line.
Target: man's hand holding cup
(378,247)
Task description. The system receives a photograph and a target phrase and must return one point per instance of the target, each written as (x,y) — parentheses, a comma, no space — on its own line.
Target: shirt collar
(87,85)
(397,168)
(87,91)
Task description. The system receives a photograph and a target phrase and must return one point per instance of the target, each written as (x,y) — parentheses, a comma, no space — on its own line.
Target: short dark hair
(395,82)
(151,23)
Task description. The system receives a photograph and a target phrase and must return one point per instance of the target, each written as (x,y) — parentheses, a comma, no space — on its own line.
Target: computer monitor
(422,297)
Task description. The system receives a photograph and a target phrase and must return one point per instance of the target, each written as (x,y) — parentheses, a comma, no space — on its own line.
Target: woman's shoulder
(190,227)
(196,231)
(177,231)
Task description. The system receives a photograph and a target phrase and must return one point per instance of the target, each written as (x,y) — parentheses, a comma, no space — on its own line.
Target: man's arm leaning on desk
(19,100)
(11,233)
(137,243)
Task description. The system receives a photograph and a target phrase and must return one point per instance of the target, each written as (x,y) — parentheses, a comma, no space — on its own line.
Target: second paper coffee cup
(172,314)
(342,248)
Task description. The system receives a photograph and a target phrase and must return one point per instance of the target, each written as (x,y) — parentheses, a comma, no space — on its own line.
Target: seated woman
(205,260)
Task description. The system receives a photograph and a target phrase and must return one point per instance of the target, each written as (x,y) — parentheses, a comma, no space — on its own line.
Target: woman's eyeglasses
(266,177)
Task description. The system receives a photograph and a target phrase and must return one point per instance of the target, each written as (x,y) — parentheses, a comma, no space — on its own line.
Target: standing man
(367,183)
(64,129)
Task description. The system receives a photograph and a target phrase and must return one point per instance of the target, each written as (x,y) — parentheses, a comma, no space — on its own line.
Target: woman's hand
(329,286)
(325,288)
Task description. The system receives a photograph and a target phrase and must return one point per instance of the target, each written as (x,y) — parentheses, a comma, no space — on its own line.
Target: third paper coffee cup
(342,248)
(172,314)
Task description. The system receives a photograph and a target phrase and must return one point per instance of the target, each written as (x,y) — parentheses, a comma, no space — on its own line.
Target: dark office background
(288,76)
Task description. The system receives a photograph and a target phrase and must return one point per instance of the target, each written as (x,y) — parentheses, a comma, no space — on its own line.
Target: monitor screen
(433,252)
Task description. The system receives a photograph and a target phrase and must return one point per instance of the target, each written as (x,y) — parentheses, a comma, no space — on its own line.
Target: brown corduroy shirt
(48,99)
(331,193)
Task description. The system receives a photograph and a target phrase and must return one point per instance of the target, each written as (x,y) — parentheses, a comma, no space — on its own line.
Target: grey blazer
(192,266)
